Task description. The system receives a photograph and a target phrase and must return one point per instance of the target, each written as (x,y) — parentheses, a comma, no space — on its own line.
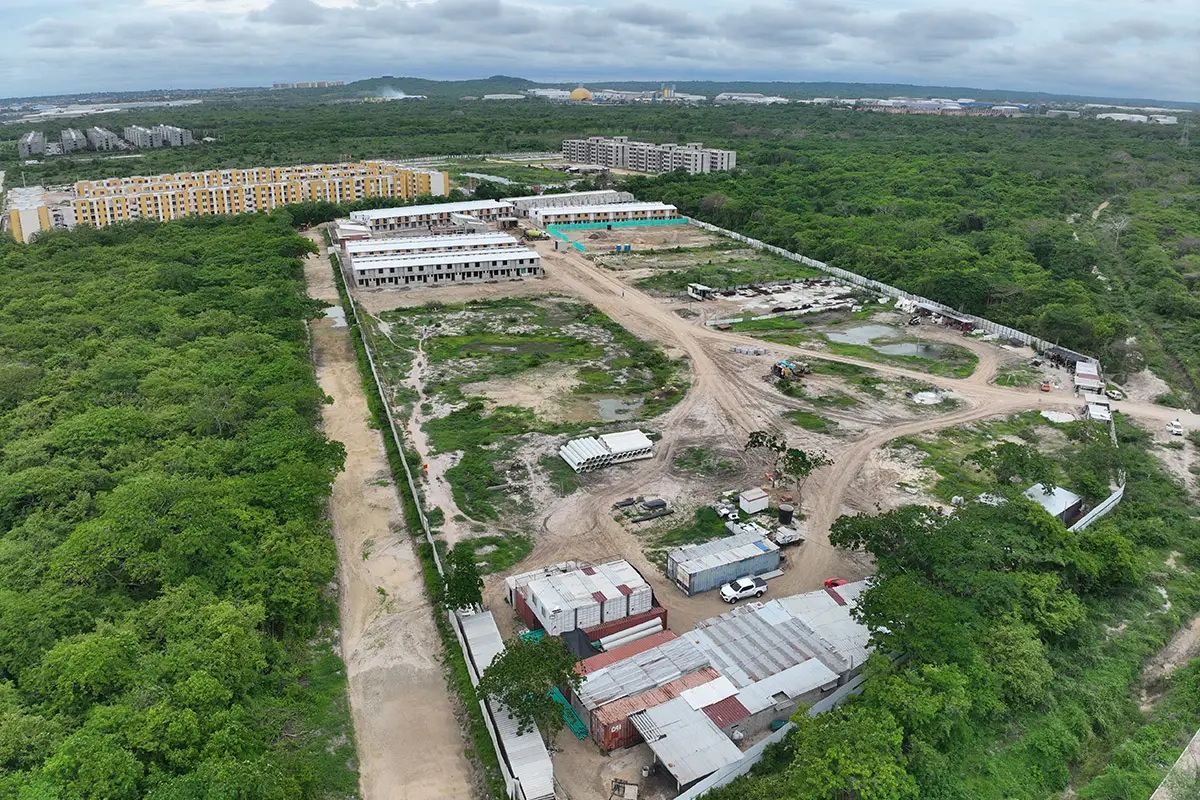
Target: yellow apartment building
(231,191)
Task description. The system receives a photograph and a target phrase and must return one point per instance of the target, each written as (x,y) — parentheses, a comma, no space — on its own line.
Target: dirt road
(410,745)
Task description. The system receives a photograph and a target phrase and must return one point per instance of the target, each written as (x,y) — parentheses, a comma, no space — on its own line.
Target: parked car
(1046,386)
(830,583)
(1115,394)
(743,588)
(1175,428)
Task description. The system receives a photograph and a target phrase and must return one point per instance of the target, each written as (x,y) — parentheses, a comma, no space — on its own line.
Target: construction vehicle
(790,370)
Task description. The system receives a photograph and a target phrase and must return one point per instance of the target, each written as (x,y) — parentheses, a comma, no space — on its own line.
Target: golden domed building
(581,95)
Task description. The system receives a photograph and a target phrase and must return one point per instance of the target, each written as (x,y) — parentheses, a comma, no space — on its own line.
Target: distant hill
(475,87)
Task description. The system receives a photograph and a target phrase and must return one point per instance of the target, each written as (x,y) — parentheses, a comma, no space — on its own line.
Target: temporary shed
(685,741)
(1099,412)
(753,500)
(601,660)
(593,452)
(699,567)
(610,726)
(1059,503)
(586,597)
(641,672)
(778,696)
(524,753)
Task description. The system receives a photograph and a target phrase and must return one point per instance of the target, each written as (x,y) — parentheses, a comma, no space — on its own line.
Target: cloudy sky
(1144,48)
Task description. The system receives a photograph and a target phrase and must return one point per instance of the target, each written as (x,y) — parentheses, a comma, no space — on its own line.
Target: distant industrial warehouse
(620,152)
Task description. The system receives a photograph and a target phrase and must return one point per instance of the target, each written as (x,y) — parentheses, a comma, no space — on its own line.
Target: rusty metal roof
(618,710)
(726,712)
(601,660)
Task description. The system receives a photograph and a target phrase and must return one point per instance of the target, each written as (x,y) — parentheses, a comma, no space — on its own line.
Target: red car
(832,582)
(1045,387)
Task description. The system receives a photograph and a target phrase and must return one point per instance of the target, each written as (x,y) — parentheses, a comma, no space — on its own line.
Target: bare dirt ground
(546,390)
(648,238)
(1183,647)
(1144,386)
(409,742)
(376,301)
(726,401)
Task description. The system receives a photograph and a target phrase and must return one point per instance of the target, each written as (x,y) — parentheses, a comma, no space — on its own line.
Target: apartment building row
(158,136)
(431,217)
(607,213)
(235,191)
(620,152)
(400,261)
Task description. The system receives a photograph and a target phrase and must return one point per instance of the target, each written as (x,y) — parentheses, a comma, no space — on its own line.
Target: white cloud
(1110,47)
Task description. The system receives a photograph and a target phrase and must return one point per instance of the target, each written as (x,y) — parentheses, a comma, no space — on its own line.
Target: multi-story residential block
(35,209)
(442,215)
(613,212)
(103,139)
(31,144)
(402,246)
(447,267)
(620,152)
(235,191)
(170,136)
(142,138)
(73,139)
(525,205)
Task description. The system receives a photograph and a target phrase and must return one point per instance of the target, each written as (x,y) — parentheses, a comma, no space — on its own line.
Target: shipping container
(609,628)
(701,567)
(585,598)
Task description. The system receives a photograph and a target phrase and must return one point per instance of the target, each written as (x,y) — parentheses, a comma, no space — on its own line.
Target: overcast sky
(1144,48)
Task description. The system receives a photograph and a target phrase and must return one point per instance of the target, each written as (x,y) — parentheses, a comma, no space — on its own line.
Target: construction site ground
(728,397)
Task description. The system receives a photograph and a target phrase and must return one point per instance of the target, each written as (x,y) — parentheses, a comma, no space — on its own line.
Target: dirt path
(409,743)
(1183,647)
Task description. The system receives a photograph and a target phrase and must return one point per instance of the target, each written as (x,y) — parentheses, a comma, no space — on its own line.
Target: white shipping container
(641,600)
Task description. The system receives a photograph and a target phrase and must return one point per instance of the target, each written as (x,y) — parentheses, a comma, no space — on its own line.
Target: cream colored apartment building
(238,191)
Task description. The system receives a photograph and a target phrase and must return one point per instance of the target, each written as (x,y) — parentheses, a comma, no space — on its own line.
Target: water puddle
(337,314)
(612,409)
(865,335)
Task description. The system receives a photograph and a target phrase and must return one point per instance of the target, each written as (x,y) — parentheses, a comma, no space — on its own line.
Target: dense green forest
(1021,641)
(164,556)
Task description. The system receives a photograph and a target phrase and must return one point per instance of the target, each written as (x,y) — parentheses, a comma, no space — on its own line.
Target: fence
(882,288)
(628,223)
(510,781)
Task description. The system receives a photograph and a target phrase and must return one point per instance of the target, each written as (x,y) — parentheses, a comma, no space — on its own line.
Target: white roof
(708,693)
(434,208)
(832,623)
(445,257)
(609,208)
(685,740)
(751,495)
(526,753)
(519,201)
(1056,502)
(579,587)
(641,672)
(696,558)
(625,441)
(402,243)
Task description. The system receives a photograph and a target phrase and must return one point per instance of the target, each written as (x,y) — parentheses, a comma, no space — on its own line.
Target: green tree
(464,587)
(520,680)
(1009,461)
(852,751)
(789,463)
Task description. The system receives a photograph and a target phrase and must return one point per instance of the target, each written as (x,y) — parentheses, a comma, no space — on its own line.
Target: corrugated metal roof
(620,709)
(1056,502)
(755,641)
(437,208)
(525,752)
(699,557)
(623,652)
(643,671)
(726,712)
(843,640)
(404,261)
(406,243)
(793,682)
(685,741)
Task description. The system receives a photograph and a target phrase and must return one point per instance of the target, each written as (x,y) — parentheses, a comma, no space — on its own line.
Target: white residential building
(401,246)
(171,136)
(73,139)
(611,212)
(440,268)
(31,144)
(620,152)
(103,139)
(526,205)
(142,138)
(411,218)
(750,98)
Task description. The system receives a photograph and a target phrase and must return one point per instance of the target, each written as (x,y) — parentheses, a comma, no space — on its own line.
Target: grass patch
(559,475)
(498,553)
(773,324)
(704,527)
(810,421)
(701,461)
(956,362)
(721,268)
(1020,375)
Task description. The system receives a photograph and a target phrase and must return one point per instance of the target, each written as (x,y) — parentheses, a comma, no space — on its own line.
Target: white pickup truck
(1175,428)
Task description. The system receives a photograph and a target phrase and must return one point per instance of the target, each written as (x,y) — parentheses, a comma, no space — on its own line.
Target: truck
(1175,428)
(787,536)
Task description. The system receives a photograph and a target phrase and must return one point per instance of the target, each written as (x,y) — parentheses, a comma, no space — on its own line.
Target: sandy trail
(409,742)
